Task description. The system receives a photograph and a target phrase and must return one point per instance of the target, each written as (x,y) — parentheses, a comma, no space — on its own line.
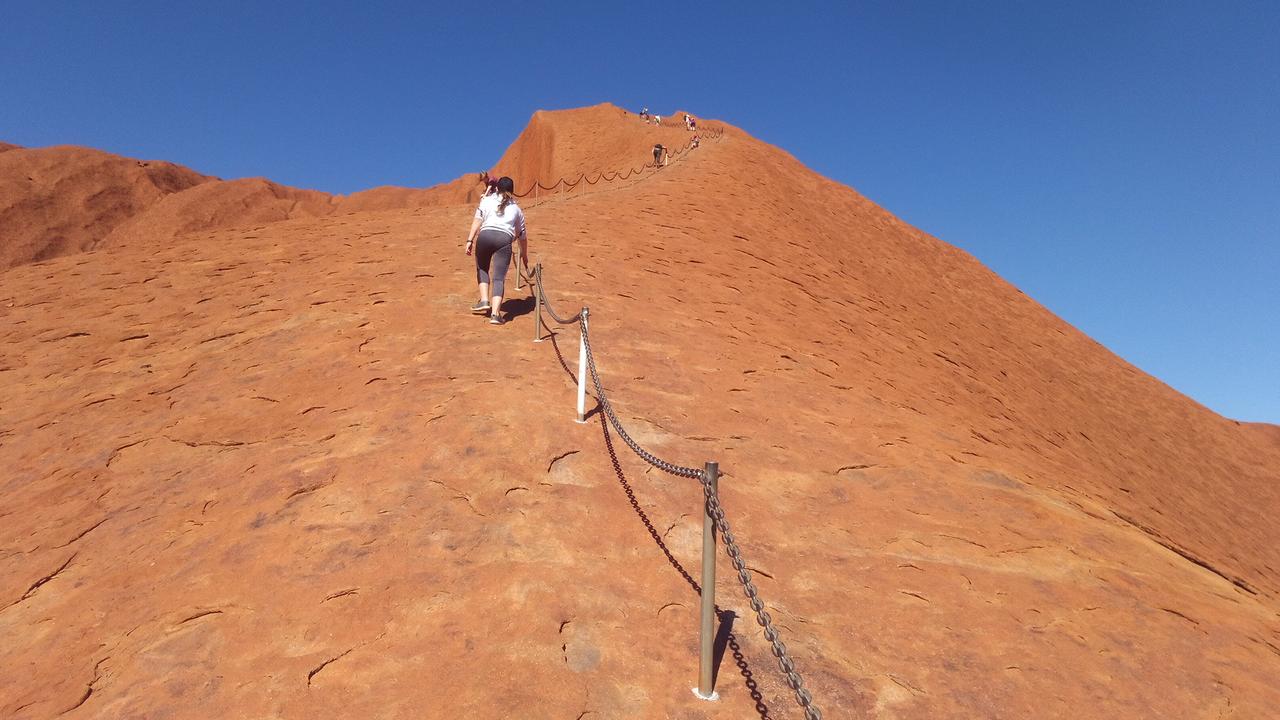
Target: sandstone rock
(284,473)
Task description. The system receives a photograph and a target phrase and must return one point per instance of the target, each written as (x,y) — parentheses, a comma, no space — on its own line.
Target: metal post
(537,302)
(582,368)
(706,687)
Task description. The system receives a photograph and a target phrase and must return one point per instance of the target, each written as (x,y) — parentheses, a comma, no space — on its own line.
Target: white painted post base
(710,698)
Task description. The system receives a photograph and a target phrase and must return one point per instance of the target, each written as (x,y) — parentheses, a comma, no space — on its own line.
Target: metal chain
(654,460)
(708,134)
(714,508)
(546,304)
(785,663)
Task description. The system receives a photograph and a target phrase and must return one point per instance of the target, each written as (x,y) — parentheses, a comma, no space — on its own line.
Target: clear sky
(1119,162)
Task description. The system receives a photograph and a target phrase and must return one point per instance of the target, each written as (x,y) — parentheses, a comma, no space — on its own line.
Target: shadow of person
(516,307)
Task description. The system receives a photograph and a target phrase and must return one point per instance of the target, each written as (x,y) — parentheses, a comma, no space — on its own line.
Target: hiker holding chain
(498,223)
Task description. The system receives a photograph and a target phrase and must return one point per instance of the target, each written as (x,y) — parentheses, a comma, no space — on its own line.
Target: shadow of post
(552,335)
(595,410)
(724,636)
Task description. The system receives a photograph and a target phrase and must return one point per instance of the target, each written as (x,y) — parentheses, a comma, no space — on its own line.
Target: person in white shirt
(498,223)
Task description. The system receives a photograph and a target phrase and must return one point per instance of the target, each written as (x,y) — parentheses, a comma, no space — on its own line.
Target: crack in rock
(197,616)
(1185,554)
(42,581)
(310,488)
(88,691)
(82,533)
(326,663)
(341,655)
(560,457)
(854,467)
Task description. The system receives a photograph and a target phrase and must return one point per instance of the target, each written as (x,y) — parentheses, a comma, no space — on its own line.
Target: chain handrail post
(537,301)
(706,689)
(582,367)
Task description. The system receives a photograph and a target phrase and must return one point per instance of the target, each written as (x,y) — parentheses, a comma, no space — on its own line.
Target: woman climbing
(499,221)
(659,155)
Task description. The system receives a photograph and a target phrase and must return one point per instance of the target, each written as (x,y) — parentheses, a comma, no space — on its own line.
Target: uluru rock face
(65,200)
(221,204)
(465,189)
(62,200)
(602,139)
(280,471)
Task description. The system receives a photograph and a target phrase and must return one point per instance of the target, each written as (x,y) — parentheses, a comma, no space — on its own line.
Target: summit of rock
(281,471)
(599,139)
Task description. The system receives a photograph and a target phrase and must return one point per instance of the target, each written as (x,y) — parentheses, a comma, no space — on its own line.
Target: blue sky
(1118,162)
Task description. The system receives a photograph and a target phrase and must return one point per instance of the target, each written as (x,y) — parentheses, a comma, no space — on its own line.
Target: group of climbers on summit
(690,122)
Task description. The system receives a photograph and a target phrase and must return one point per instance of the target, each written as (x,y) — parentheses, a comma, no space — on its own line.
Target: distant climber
(693,142)
(691,122)
(490,184)
(644,114)
(498,223)
(659,155)
(657,119)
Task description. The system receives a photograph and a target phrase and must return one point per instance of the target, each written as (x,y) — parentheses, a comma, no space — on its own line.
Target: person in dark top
(659,155)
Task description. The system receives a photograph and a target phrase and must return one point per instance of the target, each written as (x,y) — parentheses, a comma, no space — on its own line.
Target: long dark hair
(506,186)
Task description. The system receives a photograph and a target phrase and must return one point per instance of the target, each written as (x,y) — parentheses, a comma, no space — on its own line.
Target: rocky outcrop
(217,205)
(64,200)
(283,472)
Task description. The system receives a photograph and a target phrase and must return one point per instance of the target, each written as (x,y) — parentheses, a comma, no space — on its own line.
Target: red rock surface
(465,189)
(281,472)
(602,139)
(65,200)
(221,204)
(61,200)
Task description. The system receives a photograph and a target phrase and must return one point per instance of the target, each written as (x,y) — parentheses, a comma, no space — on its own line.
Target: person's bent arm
(524,249)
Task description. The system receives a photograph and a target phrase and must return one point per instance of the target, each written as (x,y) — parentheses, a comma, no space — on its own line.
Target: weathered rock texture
(279,471)
(63,200)
(66,200)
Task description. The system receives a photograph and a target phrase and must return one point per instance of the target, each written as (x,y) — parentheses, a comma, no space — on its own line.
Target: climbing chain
(709,134)
(546,304)
(785,663)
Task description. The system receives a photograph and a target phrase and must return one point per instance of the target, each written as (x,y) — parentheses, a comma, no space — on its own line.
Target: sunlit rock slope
(279,471)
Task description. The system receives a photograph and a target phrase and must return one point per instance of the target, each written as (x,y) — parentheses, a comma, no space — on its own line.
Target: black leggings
(493,245)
